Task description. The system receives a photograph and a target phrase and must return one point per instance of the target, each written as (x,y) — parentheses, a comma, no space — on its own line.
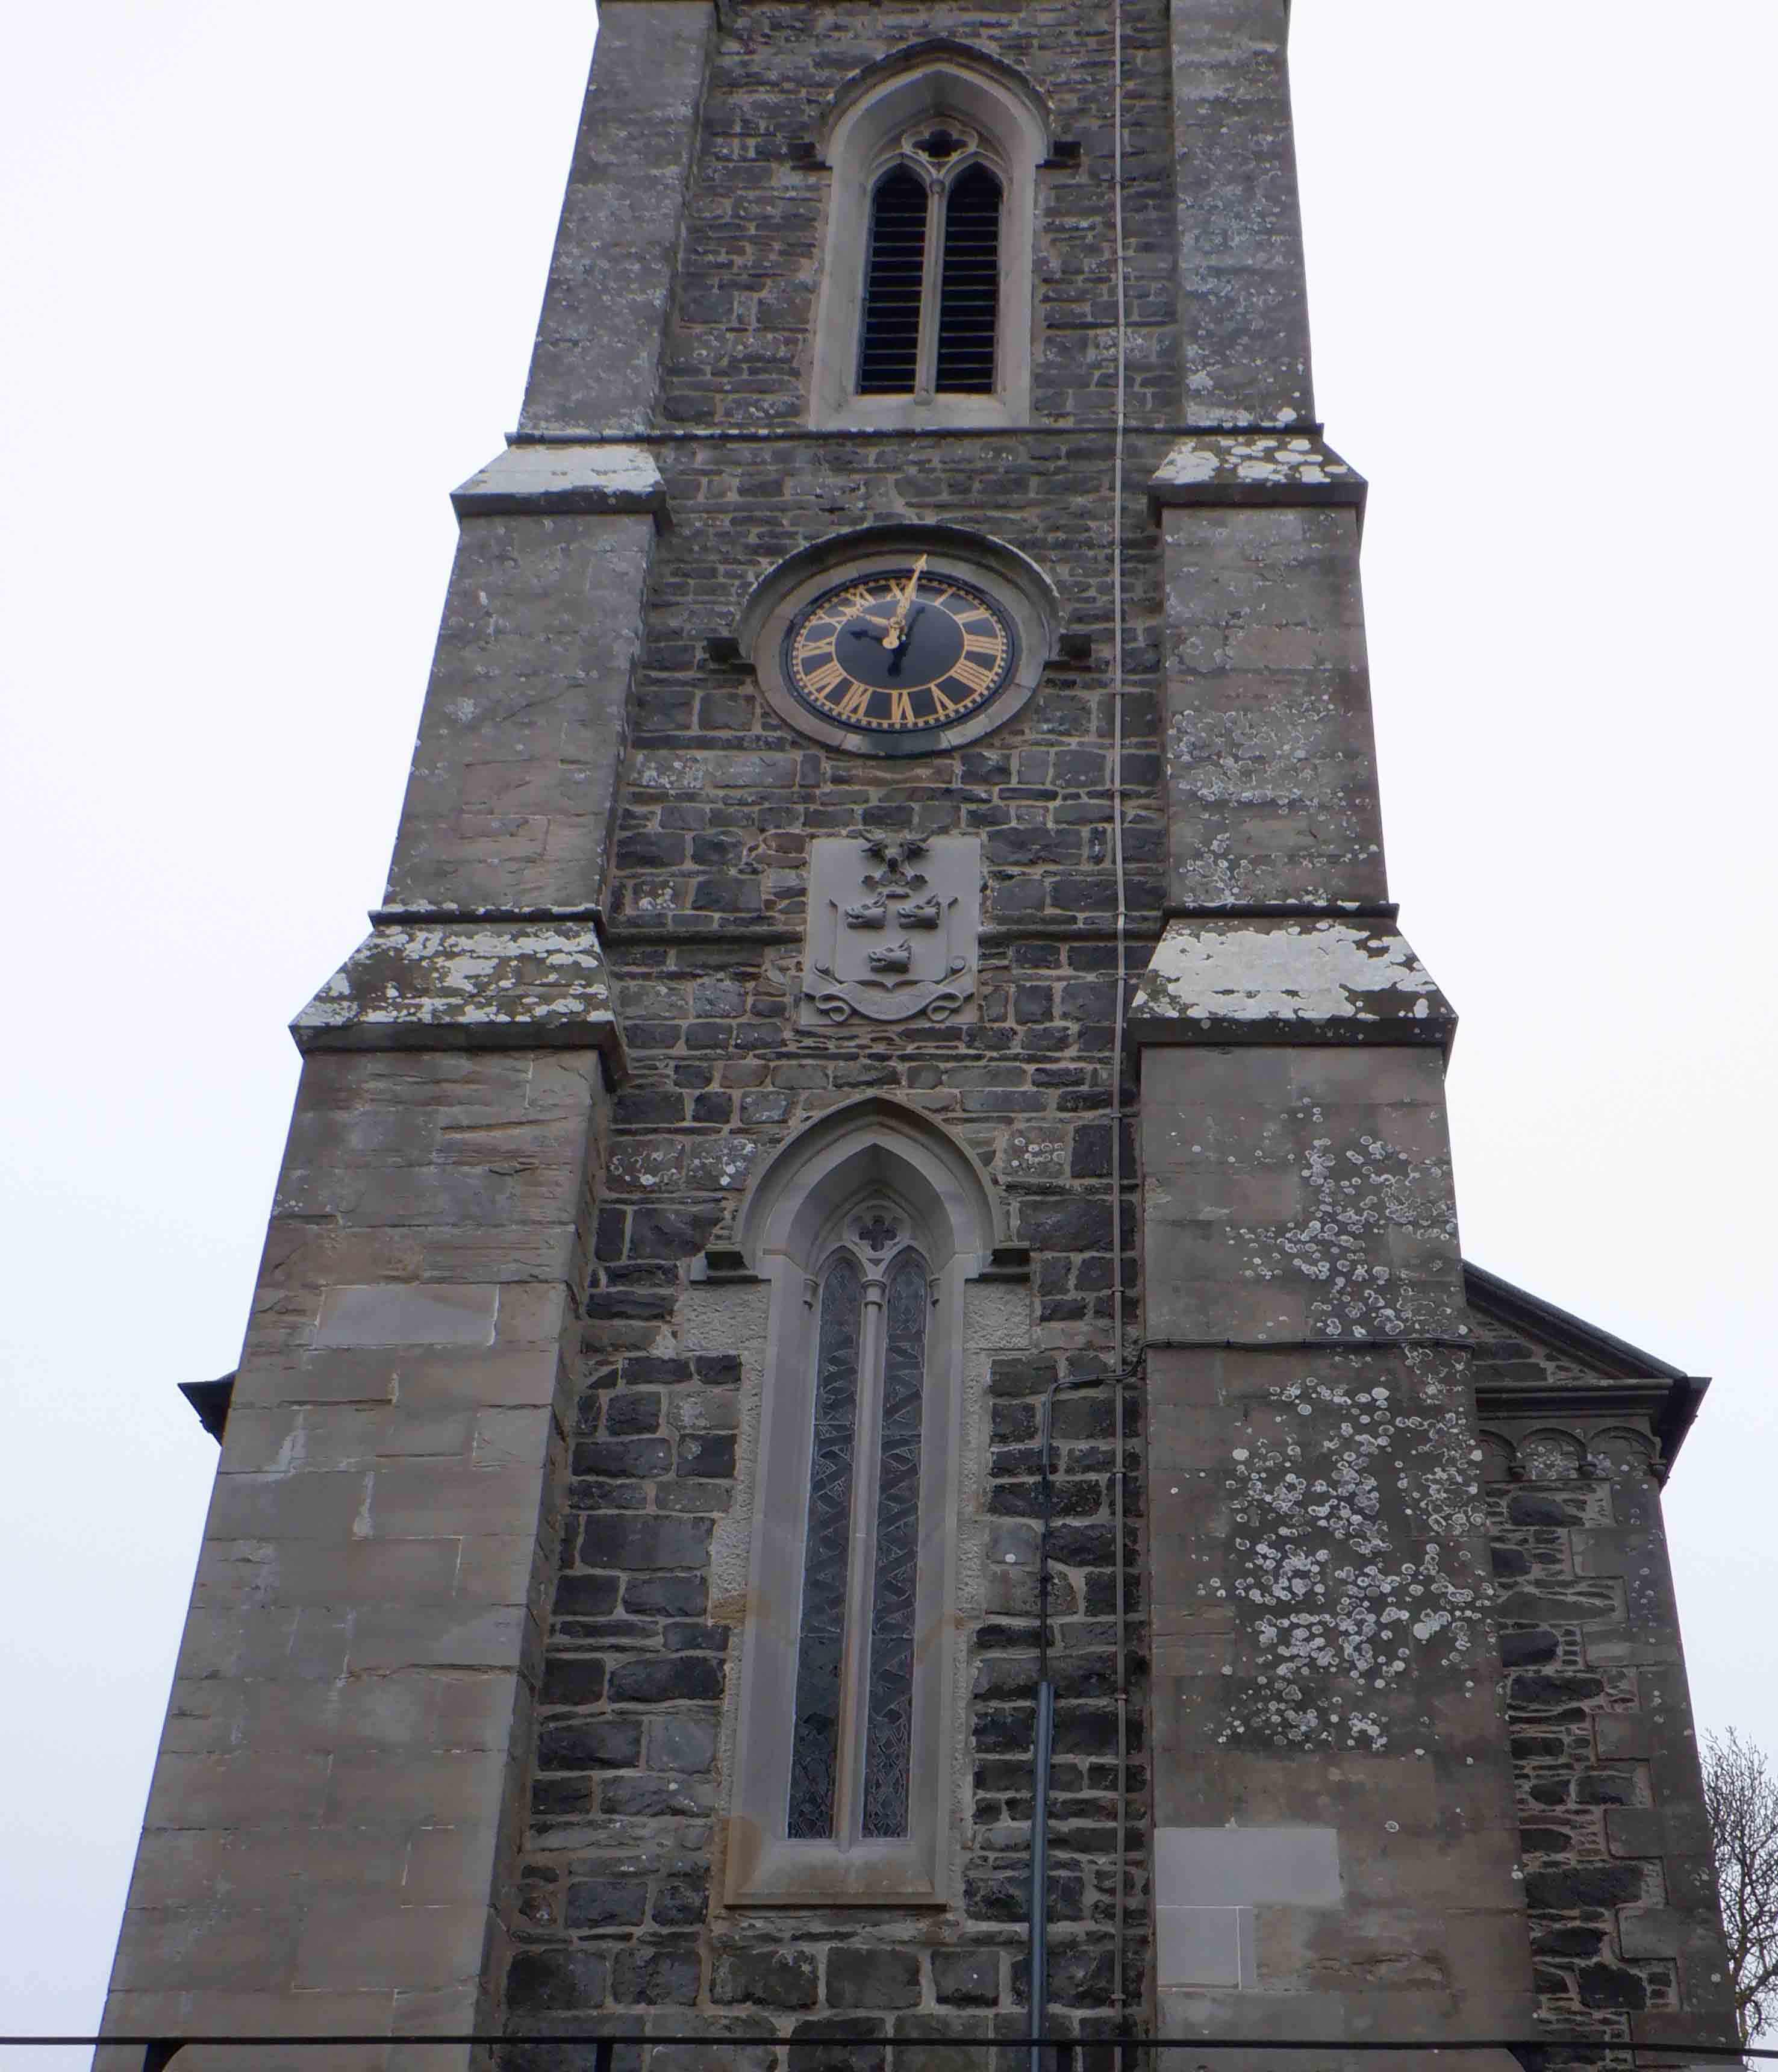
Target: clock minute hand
(898,627)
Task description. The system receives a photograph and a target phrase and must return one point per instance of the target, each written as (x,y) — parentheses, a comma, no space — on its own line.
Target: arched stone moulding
(880,1151)
(1500,1462)
(1621,1447)
(1580,1452)
(862,136)
(1546,1455)
(808,1180)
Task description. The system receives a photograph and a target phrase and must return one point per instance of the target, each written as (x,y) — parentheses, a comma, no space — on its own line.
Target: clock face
(899,652)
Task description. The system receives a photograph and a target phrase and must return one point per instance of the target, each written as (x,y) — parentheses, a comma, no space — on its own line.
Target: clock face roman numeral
(823,678)
(899,652)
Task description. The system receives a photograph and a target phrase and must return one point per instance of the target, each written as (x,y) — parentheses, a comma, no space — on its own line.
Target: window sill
(781,1873)
(912,413)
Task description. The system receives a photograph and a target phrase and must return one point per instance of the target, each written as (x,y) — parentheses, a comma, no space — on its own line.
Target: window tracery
(925,307)
(868,1230)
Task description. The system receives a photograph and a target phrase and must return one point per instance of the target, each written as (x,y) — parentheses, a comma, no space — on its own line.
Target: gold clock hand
(904,604)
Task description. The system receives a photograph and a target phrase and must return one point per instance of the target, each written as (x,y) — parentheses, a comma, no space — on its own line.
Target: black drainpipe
(1038,1995)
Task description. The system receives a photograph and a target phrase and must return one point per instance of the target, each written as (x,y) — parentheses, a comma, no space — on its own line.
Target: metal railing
(1064,2053)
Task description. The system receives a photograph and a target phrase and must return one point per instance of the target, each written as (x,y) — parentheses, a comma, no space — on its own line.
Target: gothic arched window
(868,1228)
(925,307)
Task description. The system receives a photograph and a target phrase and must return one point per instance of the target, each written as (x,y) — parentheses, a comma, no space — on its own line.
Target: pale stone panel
(407,1316)
(1240,1866)
(1198,1946)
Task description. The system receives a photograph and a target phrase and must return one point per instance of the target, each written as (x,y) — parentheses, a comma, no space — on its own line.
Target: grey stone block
(1200,1945)
(566,478)
(409,1316)
(1244,1866)
(682,1743)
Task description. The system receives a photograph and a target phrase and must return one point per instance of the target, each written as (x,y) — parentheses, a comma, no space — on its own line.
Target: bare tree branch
(1741,1798)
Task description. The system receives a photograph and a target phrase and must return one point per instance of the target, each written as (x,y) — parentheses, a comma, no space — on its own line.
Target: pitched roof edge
(1564,1332)
(1560,1328)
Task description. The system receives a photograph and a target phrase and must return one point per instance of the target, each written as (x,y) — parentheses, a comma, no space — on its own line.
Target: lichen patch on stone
(548,981)
(1318,972)
(1352,1509)
(1199,467)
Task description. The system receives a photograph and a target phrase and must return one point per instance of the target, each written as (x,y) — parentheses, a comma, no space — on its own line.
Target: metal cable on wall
(1118,1984)
(1117,1380)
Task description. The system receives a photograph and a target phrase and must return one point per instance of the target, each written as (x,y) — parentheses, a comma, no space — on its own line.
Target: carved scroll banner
(892,930)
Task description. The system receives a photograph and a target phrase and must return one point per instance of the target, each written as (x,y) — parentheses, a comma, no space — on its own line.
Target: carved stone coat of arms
(892,929)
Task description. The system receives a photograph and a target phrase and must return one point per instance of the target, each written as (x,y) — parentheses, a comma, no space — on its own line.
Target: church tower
(863,1416)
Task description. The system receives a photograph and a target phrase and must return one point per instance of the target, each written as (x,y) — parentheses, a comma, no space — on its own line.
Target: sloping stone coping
(1255,468)
(1288,981)
(470,985)
(568,478)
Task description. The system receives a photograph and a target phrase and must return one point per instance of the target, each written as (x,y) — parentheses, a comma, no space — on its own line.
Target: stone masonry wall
(705,936)
(1618,1884)
(740,347)
(620,1914)
(622,1917)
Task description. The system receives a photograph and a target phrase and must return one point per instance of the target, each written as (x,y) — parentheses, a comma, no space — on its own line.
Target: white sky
(272,277)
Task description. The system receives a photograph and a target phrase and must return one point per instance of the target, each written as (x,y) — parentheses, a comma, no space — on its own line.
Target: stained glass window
(854,1696)
(815,1749)
(888,1732)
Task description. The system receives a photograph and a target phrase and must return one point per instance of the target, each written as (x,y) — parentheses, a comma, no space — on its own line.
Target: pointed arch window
(843,1790)
(926,307)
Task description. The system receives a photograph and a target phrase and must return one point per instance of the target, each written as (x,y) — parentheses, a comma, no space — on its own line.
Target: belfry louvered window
(853,1723)
(930,320)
